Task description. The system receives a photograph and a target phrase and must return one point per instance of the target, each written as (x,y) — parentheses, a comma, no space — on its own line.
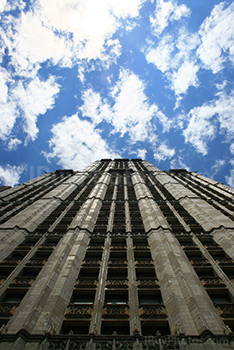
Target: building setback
(119,256)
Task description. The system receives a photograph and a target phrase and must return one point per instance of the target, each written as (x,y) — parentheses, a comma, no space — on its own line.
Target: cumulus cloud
(95,107)
(26,100)
(230,178)
(185,77)
(2,5)
(130,111)
(162,54)
(232,148)
(10,175)
(219,163)
(173,57)
(35,99)
(141,153)
(59,33)
(203,122)
(76,143)
(165,12)
(180,55)
(217,38)
(13,143)
(7,105)
(179,163)
(30,43)
(64,32)
(163,152)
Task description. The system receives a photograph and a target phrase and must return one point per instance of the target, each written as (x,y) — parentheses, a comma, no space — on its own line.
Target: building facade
(119,256)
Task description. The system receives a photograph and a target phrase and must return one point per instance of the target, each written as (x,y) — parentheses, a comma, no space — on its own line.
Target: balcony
(153,311)
(115,311)
(8,309)
(147,283)
(117,283)
(225,310)
(22,282)
(117,262)
(78,311)
(200,262)
(91,262)
(86,283)
(145,262)
(212,282)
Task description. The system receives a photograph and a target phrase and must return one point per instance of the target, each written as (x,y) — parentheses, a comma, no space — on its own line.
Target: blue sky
(82,80)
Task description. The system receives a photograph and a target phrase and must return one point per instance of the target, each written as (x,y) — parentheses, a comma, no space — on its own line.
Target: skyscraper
(119,256)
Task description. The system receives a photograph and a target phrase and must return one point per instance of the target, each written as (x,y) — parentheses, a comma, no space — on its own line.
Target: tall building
(119,256)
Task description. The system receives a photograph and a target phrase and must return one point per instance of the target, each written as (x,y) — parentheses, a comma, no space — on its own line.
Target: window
(109,327)
(87,272)
(117,273)
(83,297)
(152,327)
(145,273)
(14,296)
(149,297)
(75,326)
(219,296)
(205,273)
(116,297)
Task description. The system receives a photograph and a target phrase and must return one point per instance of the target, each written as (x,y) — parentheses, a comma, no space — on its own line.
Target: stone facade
(119,256)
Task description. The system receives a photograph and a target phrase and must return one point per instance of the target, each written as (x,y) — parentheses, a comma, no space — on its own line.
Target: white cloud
(26,100)
(185,77)
(204,120)
(74,28)
(180,54)
(130,111)
(64,32)
(111,51)
(2,5)
(7,105)
(10,175)
(35,99)
(178,163)
(163,152)
(230,178)
(13,143)
(57,32)
(217,167)
(76,143)
(232,148)
(12,5)
(32,43)
(165,12)
(94,107)
(161,56)
(217,36)
(173,56)
(141,153)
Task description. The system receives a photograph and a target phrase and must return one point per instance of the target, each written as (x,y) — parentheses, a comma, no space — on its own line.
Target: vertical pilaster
(211,220)
(188,306)
(13,231)
(135,325)
(95,324)
(43,308)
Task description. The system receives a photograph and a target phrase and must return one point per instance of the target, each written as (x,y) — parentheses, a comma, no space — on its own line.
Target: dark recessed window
(149,297)
(116,297)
